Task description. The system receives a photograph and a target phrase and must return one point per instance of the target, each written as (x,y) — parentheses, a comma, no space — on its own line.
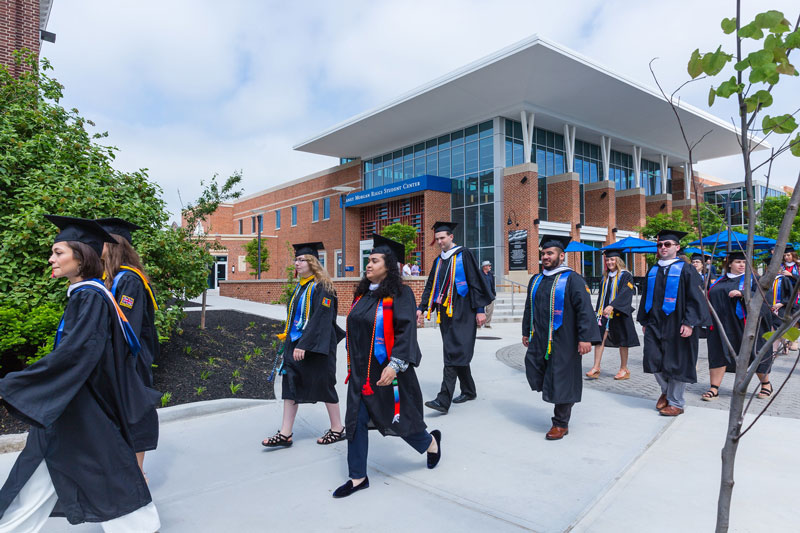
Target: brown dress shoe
(662,402)
(556,433)
(671,410)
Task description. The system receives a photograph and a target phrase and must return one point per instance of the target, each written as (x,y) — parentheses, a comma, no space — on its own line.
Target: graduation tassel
(396,417)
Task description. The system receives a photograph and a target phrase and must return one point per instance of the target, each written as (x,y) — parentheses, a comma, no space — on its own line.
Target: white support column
(606,153)
(687,181)
(569,145)
(637,167)
(527,134)
(664,168)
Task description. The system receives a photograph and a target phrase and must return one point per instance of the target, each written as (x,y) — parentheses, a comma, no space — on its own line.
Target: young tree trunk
(203,311)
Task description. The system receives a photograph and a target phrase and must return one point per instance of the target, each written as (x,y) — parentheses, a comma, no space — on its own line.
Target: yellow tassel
(450,310)
(438,318)
(282,336)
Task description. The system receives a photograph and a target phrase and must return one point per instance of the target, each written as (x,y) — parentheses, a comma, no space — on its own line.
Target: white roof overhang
(560,86)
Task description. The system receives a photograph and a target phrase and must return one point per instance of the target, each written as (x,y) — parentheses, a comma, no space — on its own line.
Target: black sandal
(278,440)
(765,392)
(331,436)
(710,395)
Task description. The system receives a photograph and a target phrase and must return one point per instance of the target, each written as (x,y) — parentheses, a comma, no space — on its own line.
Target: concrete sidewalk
(622,466)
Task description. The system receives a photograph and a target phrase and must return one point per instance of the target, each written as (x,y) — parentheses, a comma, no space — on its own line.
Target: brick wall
(19,28)
(523,200)
(654,203)
(437,208)
(600,206)
(270,290)
(630,209)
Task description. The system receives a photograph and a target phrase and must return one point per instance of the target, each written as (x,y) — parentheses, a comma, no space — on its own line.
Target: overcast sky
(189,88)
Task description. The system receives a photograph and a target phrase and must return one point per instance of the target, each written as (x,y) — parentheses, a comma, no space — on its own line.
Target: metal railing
(515,288)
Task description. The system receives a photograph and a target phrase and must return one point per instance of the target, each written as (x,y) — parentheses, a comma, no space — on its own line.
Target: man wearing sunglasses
(671,312)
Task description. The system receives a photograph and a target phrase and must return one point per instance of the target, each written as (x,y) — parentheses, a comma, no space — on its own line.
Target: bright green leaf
(712,94)
(728,25)
(782,124)
(792,334)
(695,67)
(714,62)
(779,29)
(795,146)
(768,19)
(771,42)
(768,335)
(741,65)
(760,57)
(793,39)
(727,88)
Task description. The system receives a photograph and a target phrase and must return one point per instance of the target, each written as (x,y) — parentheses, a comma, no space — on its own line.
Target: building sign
(400,188)
(518,249)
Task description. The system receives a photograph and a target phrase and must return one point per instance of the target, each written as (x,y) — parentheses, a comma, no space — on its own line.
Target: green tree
(674,221)
(406,235)
(252,256)
(51,163)
(772,213)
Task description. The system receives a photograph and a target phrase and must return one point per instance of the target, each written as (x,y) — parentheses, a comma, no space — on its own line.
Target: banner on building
(518,249)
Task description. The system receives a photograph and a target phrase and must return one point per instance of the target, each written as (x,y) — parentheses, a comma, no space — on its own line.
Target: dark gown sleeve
(405,328)
(317,333)
(480,295)
(624,300)
(40,393)
(423,302)
(585,318)
(696,312)
(526,315)
(131,286)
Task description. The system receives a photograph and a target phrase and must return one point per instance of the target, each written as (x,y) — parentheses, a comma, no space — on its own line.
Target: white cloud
(189,88)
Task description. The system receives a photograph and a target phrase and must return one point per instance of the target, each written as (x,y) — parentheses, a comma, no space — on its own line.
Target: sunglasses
(667,244)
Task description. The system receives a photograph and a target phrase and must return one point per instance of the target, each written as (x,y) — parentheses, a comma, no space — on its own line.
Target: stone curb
(15,443)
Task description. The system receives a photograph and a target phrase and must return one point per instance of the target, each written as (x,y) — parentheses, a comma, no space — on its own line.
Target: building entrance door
(366,248)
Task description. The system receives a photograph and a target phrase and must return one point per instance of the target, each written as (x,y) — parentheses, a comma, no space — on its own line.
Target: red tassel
(347,378)
(366,390)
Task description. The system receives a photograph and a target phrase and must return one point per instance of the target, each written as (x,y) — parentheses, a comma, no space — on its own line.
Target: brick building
(23,24)
(534,139)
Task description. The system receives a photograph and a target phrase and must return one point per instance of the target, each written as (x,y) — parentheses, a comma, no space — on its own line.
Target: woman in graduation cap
(779,300)
(80,400)
(615,315)
(725,295)
(791,270)
(127,280)
(309,350)
(382,351)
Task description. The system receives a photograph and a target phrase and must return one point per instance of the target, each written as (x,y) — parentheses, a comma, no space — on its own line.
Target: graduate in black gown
(614,313)
(703,268)
(128,282)
(558,327)
(456,293)
(671,311)
(726,297)
(779,300)
(309,350)
(80,400)
(791,270)
(382,351)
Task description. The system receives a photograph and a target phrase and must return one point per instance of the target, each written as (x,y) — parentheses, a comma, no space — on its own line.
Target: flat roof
(536,75)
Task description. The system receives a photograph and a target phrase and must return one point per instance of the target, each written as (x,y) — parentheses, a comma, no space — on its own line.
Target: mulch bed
(234,352)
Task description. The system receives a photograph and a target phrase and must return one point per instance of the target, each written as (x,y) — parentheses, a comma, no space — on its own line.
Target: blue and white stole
(739,308)
(96,285)
(302,311)
(670,291)
(556,305)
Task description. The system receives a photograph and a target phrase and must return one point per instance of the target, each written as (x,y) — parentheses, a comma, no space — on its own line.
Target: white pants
(32,506)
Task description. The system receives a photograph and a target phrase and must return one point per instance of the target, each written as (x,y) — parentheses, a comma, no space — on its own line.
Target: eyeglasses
(298,260)
(667,244)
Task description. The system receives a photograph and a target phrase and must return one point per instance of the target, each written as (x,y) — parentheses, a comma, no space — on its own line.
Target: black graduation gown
(459,331)
(135,302)
(380,404)
(313,379)
(80,401)
(559,378)
(665,351)
(621,330)
(786,288)
(725,306)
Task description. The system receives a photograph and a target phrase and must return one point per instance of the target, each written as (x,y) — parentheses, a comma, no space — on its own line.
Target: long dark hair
(391,284)
(90,264)
(120,254)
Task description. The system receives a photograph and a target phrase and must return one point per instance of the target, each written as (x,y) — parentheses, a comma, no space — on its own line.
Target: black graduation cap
(444,226)
(734,255)
(81,230)
(671,235)
(118,226)
(612,253)
(382,245)
(697,257)
(789,247)
(307,248)
(557,241)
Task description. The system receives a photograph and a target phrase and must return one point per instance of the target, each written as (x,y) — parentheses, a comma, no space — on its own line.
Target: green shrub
(28,334)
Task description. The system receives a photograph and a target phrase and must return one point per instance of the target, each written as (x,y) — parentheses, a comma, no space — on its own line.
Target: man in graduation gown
(457,293)
(671,311)
(558,326)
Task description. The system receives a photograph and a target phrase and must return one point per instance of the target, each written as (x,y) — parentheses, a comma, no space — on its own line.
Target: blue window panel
(326,208)
(433,164)
(294,215)
(457,138)
(471,221)
(471,134)
(457,192)
(444,142)
(486,161)
(519,152)
(408,169)
(472,196)
(419,150)
(419,166)
(430,147)
(315,211)
(487,225)
(457,159)
(487,187)
(558,164)
(398,171)
(277,219)
(261,223)
(550,164)
(444,163)
(485,129)
(471,158)
(509,148)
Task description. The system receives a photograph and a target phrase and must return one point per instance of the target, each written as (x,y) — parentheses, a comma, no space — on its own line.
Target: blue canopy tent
(629,243)
(576,246)
(738,240)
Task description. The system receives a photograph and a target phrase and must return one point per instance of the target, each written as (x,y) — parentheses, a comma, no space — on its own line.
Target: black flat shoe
(461,398)
(436,406)
(347,489)
(433,458)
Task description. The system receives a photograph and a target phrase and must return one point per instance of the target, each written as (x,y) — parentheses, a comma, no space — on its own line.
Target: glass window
(241,230)
(457,137)
(485,129)
(444,163)
(471,158)
(408,169)
(472,197)
(278,219)
(509,148)
(457,158)
(487,224)
(261,223)
(315,211)
(368,180)
(471,225)
(294,215)
(408,153)
(398,171)
(252,224)
(457,192)
(471,134)
(458,217)
(433,165)
(419,149)
(419,166)
(444,142)
(486,153)
(487,187)
(430,146)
